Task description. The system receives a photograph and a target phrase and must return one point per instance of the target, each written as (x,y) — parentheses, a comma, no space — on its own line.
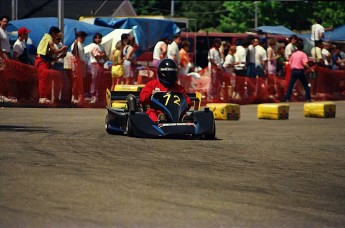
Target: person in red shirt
(166,82)
(298,63)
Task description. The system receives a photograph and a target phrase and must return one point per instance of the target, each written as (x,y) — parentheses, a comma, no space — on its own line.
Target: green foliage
(239,16)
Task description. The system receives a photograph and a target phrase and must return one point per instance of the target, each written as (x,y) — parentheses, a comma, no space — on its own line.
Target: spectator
(5,47)
(230,60)
(97,58)
(160,50)
(272,57)
(223,49)
(281,60)
(337,61)
(326,55)
(240,58)
(291,48)
(167,78)
(129,61)
(20,51)
(260,58)
(316,53)
(117,68)
(173,49)
(6,87)
(77,50)
(185,63)
(342,51)
(298,62)
(318,31)
(216,63)
(251,53)
(43,60)
(64,86)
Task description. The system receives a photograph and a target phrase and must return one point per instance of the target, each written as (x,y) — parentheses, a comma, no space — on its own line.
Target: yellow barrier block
(324,109)
(273,111)
(225,111)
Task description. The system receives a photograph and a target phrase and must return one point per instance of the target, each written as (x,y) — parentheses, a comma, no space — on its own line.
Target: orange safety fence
(21,81)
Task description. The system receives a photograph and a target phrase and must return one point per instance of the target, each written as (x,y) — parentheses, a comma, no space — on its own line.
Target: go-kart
(126,116)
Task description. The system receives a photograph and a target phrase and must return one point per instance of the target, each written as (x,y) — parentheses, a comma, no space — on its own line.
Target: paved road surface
(59,168)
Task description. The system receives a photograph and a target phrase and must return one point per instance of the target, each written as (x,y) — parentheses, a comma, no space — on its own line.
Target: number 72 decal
(176,99)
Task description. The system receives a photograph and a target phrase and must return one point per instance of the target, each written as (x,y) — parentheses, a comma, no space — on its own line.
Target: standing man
(160,50)
(173,50)
(290,48)
(298,62)
(43,60)
(216,62)
(5,47)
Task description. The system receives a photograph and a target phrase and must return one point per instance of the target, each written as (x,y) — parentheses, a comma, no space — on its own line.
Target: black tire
(130,131)
(107,127)
(212,135)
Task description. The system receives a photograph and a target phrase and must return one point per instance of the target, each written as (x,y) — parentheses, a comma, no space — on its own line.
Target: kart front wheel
(212,135)
(108,129)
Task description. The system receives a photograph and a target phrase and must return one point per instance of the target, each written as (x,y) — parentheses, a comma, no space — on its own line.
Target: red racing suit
(155,85)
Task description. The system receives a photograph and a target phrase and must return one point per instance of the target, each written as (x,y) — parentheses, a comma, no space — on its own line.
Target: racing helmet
(167,72)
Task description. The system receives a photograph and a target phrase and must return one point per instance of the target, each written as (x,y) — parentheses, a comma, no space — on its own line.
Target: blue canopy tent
(146,31)
(39,26)
(279,30)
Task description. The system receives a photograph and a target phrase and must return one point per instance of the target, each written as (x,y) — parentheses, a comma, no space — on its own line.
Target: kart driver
(166,82)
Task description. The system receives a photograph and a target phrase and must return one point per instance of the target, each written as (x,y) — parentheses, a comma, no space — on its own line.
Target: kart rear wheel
(212,135)
(130,131)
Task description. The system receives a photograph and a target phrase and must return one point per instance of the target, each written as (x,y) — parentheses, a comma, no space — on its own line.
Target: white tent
(109,41)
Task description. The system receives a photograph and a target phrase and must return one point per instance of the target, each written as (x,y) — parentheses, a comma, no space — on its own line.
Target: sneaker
(93,100)
(162,118)
(13,100)
(4,99)
(310,100)
(44,100)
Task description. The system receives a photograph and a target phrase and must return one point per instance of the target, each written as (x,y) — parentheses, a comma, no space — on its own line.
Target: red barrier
(21,81)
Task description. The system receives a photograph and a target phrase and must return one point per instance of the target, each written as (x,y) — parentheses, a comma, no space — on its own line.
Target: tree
(238,16)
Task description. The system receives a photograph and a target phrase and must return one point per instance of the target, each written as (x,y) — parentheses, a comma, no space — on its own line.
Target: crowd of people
(253,58)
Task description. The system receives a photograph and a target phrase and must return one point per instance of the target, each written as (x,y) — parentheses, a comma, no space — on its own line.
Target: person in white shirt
(5,47)
(97,57)
(20,52)
(230,60)
(216,64)
(317,30)
(291,47)
(160,50)
(240,58)
(260,59)
(173,49)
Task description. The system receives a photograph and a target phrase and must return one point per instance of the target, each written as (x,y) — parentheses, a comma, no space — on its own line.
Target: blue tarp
(146,31)
(39,26)
(337,34)
(279,30)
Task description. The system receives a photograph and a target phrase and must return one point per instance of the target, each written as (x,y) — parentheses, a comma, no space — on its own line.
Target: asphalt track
(59,168)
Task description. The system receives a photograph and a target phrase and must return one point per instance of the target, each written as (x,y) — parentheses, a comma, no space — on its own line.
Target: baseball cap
(23,30)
